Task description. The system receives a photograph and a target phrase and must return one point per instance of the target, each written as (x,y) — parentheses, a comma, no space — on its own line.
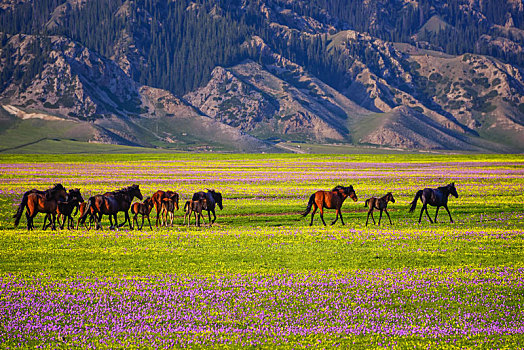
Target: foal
(65,209)
(167,211)
(196,207)
(143,209)
(380,204)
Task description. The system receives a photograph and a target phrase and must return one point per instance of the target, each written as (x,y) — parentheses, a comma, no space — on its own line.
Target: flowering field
(261,277)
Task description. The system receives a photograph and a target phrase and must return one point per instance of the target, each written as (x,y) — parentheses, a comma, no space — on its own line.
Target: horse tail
(414,203)
(21,208)
(309,205)
(87,210)
(188,203)
(367,201)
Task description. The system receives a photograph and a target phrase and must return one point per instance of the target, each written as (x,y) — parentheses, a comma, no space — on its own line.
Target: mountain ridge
(269,72)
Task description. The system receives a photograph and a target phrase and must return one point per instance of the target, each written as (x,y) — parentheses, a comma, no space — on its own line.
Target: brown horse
(330,200)
(380,204)
(65,209)
(36,202)
(157,201)
(47,194)
(167,211)
(196,207)
(110,203)
(143,209)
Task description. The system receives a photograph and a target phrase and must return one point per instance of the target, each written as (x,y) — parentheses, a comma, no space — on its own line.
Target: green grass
(260,234)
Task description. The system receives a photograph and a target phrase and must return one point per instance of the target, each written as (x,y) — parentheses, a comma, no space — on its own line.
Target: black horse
(436,197)
(212,198)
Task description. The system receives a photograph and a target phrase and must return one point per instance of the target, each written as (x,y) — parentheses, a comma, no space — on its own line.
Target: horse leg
(149,223)
(45,220)
(322,215)
(29,220)
(425,207)
(380,217)
(341,218)
(54,221)
(450,219)
(386,210)
(142,222)
(367,218)
(128,219)
(336,217)
(98,220)
(209,216)
(436,214)
(372,217)
(313,214)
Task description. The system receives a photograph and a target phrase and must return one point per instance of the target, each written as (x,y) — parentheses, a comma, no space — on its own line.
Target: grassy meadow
(261,277)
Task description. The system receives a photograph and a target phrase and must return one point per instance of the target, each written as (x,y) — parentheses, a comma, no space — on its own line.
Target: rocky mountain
(247,75)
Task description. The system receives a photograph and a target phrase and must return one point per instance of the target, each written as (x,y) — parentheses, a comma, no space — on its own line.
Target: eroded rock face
(272,97)
(232,101)
(74,82)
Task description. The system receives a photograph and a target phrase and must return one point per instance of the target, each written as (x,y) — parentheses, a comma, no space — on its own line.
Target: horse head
(351,193)
(134,191)
(390,197)
(217,196)
(174,198)
(74,194)
(453,190)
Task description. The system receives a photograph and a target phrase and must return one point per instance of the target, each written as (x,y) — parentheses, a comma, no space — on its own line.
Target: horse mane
(443,188)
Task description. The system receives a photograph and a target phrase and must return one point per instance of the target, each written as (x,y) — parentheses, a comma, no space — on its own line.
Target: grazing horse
(110,203)
(330,200)
(143,209)
(437,197)
(82,209)
(43,203)
(65,209)
(380,204)
(212,198)
(48,194)
(157,198)
(167,211)
(196,207)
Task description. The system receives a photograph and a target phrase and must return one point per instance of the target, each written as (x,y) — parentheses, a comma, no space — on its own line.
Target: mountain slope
(245,75)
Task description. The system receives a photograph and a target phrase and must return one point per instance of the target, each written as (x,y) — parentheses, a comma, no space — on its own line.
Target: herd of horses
(58,204)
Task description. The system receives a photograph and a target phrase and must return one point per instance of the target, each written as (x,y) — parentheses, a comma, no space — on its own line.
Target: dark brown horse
(330,200)
(196,207)
(65,209)
(35,202)
(213,198)
(380,204)
(437,197)
(143,209)
(110,203)
(157,198)
(47,194)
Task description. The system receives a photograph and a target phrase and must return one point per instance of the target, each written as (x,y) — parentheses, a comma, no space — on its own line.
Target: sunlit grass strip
(435,306)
